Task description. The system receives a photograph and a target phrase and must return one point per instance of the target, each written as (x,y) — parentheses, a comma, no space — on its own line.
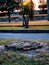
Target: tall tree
(31,9)
(8,5)
(28,11)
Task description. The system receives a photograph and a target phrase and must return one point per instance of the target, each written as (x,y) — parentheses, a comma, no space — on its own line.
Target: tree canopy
(8,4)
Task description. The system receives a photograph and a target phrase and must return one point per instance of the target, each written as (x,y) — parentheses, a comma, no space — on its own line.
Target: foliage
(7,59)
(8,4)
(29,9)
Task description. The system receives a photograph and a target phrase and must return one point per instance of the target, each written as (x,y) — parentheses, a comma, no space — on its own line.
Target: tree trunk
(48,10)
(24,20)
(9,15)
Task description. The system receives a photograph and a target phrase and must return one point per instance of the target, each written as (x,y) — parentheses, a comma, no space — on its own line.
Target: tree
(28,11)
(2,5)
(8,5)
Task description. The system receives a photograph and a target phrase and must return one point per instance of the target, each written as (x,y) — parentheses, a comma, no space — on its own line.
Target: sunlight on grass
(29,28)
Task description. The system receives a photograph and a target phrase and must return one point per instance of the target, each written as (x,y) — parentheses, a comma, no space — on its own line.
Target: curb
(24,31)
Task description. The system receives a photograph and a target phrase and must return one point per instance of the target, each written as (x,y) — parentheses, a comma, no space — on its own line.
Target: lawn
(32,27)
(14,58)
(6,41)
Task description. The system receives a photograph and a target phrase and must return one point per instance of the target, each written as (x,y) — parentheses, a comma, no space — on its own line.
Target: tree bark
(9,15)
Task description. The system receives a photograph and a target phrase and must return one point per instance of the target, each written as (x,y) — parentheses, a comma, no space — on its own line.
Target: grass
(29,28)
(25,63)
(6,41)
(14,58)
(7,59)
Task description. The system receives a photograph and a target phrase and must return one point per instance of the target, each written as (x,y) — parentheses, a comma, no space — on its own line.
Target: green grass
(7,57)
(25,63)
(7,41)
(29,28)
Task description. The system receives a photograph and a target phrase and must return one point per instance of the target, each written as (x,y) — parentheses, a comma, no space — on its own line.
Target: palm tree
(48,10)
